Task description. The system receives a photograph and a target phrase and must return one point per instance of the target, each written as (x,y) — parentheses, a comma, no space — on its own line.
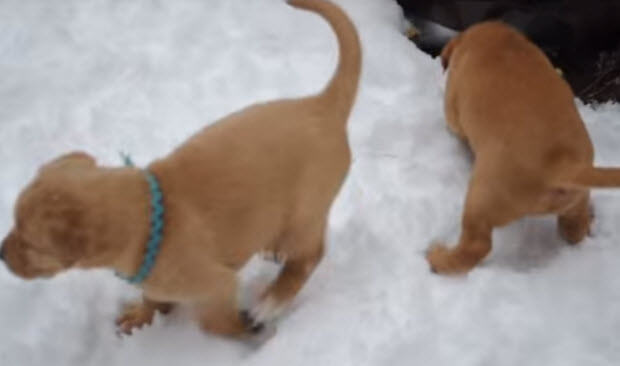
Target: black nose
(2,253)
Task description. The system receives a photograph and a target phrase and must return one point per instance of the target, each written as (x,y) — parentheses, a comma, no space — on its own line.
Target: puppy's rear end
(519,117)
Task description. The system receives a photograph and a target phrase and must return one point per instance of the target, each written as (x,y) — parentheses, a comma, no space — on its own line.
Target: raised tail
(342,88)
(590,176)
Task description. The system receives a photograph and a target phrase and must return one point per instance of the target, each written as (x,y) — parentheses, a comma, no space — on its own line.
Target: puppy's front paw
(134,315)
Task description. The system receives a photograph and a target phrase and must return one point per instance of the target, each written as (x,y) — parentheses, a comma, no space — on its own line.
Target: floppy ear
(56,220)
(74,159)
(446,53)
(68,234)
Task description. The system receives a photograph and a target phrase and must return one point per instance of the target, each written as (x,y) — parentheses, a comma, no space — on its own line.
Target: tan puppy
(261,179)
(532,152)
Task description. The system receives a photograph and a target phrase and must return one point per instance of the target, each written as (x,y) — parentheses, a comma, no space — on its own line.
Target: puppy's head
(448,50)
(49,233)
(484,34)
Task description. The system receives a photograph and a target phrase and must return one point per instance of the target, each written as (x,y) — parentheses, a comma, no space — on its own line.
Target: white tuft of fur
(267,310)
(272,256)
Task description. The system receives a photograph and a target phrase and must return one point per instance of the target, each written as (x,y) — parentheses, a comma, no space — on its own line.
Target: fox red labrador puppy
(532,152)
(261,179)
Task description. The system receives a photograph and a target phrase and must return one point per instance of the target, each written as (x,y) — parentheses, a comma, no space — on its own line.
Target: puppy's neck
(120,211)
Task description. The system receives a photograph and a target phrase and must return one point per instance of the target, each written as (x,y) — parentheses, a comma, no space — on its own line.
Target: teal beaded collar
(156,228)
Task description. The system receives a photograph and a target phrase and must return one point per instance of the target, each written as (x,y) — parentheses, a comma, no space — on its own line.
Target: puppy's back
(509,94)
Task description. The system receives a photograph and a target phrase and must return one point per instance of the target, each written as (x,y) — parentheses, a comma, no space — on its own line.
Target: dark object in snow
(582,38)
(606,84)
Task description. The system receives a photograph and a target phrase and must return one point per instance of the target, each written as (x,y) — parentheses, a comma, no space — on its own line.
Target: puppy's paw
(134,315)
(252,326)
(258,333)
(573,234)
(267,310)
(434,256)
(574,231)
(443,261)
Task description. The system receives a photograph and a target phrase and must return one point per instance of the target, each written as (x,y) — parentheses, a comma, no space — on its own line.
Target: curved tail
(342,89)
(597,177)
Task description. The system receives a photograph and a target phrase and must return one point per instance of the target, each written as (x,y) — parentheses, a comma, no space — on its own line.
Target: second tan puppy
(262,179)
(532,152)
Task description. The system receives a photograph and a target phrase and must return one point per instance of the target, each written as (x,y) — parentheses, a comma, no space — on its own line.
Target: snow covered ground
(142,75)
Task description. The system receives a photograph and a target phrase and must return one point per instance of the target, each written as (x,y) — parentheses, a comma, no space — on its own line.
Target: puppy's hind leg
(574,224)
(302,259)
(140,313)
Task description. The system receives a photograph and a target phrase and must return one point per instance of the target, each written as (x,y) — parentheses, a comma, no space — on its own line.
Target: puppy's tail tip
(342,88)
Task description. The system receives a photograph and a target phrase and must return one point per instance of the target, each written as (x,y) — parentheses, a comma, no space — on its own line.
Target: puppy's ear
(76,159)
(70,239)
(63,216)
(447,51)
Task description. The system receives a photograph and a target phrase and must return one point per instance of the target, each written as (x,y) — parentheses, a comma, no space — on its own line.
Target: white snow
(142,75)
